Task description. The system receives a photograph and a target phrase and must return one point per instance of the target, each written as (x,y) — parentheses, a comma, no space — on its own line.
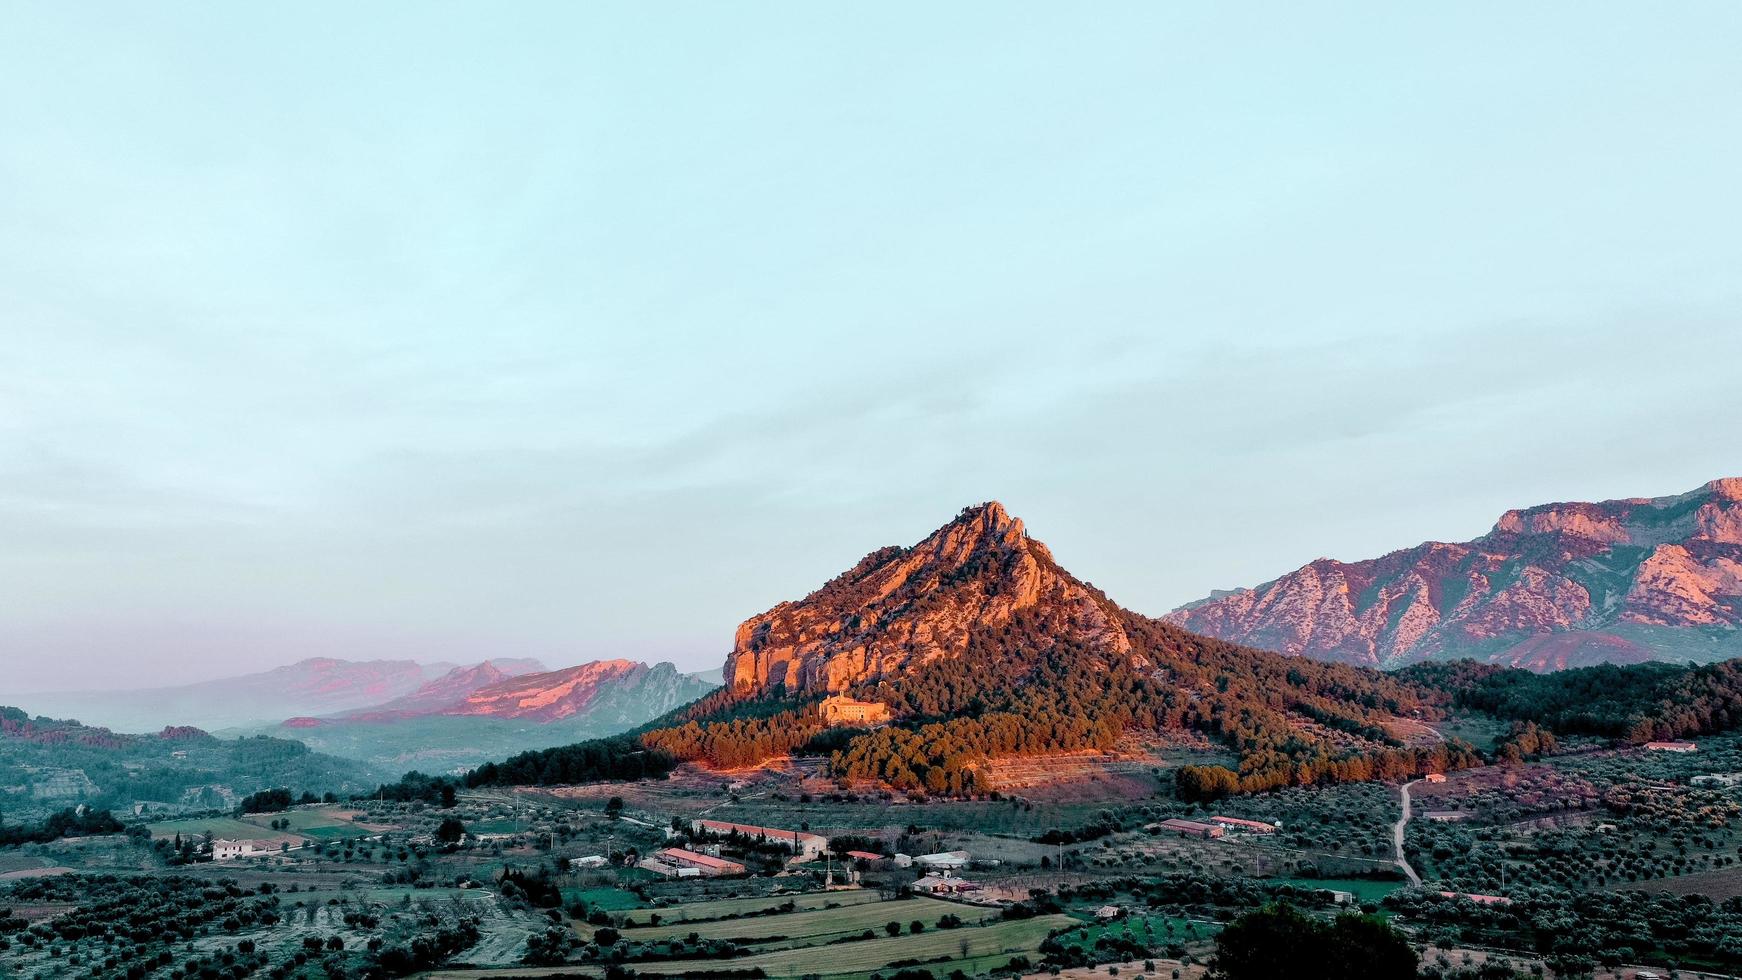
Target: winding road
(1397,836)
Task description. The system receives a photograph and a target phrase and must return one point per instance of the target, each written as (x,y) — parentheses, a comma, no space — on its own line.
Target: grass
(696,912)
(1364,889)
(224,827)
(993,943)
(819,925)
(609,899)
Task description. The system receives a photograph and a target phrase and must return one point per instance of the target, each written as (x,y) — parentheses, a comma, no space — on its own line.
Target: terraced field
(982,944)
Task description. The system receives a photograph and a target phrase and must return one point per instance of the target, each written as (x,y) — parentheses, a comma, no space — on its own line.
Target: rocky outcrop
(902,607)
(1559,585)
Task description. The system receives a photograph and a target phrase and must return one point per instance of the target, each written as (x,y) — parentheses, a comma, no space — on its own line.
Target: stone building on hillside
(839,709)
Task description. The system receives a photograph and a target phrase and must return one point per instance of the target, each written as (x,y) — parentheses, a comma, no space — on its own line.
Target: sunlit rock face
(901,607)
(1560,585)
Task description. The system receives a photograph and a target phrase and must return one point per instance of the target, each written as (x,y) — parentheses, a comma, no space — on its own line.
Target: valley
(954,760)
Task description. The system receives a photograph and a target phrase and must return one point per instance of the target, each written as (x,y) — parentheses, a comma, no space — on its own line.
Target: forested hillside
(47,763)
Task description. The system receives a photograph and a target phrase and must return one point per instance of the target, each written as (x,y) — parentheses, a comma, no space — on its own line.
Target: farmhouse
(1191,828)
(225,850)
(1445,816)
(1718,780)
(935,884)
(805,845)
(839,709)
(1436,777)
(864,856)
(1109,912)
(590,861)
(1671,747)
(1246,826)
(675,862)
(943,860)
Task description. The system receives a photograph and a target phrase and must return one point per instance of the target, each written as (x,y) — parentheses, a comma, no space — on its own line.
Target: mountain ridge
(1549,586)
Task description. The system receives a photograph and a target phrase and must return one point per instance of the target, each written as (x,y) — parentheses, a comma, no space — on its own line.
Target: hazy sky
(579,330)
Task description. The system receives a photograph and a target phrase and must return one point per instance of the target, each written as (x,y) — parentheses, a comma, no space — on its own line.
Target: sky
(449,331)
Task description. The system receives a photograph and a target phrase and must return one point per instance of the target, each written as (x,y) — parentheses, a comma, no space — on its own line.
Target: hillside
(1550,587)
(47,764)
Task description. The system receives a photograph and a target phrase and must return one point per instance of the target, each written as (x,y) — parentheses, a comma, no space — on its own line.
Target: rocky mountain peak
(908,606)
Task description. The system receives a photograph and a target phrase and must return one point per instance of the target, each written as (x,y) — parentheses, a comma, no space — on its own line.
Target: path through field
(1397,836)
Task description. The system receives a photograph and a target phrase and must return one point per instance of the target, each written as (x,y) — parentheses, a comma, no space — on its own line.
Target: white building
(943,860)
(224,850)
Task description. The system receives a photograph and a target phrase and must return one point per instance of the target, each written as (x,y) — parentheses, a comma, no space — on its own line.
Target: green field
(991,943)
(818,925)
(1364,889)
(224,827)
(319,824)
(609,899)
(727,907)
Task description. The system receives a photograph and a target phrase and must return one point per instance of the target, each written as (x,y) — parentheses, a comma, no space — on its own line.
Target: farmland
(950,946)
(224,827)
(810,927)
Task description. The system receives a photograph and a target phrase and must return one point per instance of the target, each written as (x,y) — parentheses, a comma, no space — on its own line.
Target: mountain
(445,692)
(319,685)
(975,644)
(491,709)
(900,608)
(1550,587)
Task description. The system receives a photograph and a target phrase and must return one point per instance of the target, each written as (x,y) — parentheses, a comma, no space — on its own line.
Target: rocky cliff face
(1560,585)
(901,607)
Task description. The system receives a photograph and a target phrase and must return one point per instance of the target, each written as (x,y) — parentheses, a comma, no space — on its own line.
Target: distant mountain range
(488,710)
(397,714)
(1550,587)
(319,685)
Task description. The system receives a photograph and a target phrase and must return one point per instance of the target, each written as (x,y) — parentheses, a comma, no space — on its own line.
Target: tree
(1279,940)
(448,796)
(450,831)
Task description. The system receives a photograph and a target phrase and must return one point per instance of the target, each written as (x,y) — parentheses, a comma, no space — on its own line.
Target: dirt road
(1397,836)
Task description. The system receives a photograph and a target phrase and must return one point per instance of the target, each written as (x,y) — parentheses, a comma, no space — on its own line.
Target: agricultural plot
(1364,889)
(952,946)
(220,827)
(809,928)
(1145,930)
(734,909)
(321,824)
